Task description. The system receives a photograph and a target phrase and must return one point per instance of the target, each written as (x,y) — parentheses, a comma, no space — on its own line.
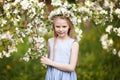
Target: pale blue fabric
(62,55)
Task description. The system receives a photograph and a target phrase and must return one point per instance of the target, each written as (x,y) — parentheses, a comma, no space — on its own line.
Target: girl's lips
(60,32)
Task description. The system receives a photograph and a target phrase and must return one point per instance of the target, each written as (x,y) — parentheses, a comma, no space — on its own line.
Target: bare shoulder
(75,44)
(75,47)
(50,39)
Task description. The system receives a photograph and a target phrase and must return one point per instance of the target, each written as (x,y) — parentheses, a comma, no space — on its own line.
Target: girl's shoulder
(75,43)
(51,39)
(73,40)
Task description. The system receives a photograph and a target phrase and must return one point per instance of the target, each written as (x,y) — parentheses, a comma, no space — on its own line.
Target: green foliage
(71,1)
(94,63)
(13,68)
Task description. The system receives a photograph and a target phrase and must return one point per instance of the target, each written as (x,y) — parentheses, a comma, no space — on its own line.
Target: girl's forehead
(60,21)
(57,19)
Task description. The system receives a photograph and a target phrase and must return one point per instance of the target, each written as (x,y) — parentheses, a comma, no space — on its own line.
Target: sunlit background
(23,23)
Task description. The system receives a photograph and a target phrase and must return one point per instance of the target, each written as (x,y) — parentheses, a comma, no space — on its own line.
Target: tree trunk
(79,1)
(87,23)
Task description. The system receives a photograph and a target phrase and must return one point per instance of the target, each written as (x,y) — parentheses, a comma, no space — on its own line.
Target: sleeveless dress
(62,55)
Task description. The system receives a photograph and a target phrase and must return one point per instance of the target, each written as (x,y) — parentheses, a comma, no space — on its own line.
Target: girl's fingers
(42,59)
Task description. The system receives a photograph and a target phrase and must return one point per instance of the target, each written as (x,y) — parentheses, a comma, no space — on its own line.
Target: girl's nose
(61,29)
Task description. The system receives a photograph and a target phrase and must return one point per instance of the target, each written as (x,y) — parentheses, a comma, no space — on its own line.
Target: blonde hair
(69,22)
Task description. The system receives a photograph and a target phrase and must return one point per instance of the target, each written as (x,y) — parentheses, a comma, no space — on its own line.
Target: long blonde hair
(69,22)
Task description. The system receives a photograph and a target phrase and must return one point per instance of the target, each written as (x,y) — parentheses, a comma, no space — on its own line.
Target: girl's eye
(57,26)
(64,26)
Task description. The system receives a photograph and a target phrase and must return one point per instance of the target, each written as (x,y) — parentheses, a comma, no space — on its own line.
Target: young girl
(62,51)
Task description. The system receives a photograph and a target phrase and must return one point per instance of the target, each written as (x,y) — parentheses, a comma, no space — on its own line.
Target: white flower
(35,1)
(25,4)
(106,3)
(6,6)
(8,36)
(23,34)
(103,12)
(84,9)
(88,3)
(30,40)
(21,40)
(1,56)
(74,20)
(56,3)
(114,51)
(104,41)
(110,42)
(12,48)
(29,25)
(41,46)
(6,54)
(41,5)
(26,58)
(29,51)
(15,11)
(16,2)
(85,18)
(109,28)
(79,33)
(3,22)
(118,31)
(28,31)
(119,53)
(79,20)
(32,10)
(8,14)
(40,39)
(3,36)
(115,30)
(117,11)
(42,30)
(42,12)
(65,12)
(104,37)
(15,21)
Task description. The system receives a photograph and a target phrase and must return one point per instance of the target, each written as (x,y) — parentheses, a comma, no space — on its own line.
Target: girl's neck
(63,38)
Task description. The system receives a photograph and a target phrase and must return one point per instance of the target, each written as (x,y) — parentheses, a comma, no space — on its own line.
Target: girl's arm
(65,67)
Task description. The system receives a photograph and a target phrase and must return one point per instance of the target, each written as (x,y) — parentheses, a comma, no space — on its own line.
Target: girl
(62,51)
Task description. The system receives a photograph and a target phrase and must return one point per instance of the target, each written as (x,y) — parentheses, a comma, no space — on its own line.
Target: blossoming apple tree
(21,19)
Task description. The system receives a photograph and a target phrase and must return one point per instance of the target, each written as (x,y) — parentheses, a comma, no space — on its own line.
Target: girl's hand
(45,60)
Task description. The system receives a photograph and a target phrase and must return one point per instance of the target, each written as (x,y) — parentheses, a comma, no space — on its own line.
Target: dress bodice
(62,50)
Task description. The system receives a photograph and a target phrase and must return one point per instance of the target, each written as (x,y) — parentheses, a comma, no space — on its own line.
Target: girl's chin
(61,36)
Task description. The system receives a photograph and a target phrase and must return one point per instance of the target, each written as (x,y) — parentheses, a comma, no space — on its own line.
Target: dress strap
(54,49)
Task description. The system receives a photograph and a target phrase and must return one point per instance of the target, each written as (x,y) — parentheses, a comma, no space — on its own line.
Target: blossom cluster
(111,36)
(27,19)
(22,19)
(6,39)
(108,42)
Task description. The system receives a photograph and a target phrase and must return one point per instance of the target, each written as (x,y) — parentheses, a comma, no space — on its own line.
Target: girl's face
(61,27)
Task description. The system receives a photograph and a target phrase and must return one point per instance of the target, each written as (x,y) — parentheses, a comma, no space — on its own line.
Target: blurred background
(94,62)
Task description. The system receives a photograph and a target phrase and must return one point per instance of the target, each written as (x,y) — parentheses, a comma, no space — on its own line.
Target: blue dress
(62,55)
